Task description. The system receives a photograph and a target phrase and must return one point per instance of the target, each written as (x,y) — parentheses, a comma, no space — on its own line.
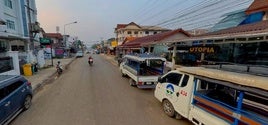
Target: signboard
(114,43)
(45,41)
(202,49)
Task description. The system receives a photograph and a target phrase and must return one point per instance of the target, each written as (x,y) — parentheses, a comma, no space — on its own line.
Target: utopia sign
(202,49)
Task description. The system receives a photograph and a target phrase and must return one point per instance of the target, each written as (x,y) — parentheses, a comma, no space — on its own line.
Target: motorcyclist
(59,67)
(90,60)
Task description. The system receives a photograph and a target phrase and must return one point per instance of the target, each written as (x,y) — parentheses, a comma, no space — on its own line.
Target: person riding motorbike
(59,68)
(90,60)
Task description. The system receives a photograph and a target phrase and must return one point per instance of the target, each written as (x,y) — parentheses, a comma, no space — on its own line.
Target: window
(136,32)
(155,32)
(146,32)
(8,3)
(2,93)
(128,32)
(14,48)
(6,64)
(3,46)
(10,24)
(14,86)
(172,78)
(184,81)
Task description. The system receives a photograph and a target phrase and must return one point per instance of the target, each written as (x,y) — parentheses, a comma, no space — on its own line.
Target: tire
(168,108)
(132,82)
(123,75)
(27,102)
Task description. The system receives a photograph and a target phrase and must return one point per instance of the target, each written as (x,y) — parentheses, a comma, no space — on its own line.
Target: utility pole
(30,25)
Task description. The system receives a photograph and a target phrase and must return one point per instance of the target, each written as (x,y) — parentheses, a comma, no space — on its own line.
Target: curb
(50,79)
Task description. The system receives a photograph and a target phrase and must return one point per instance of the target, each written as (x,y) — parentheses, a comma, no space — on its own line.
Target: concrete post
(174,56)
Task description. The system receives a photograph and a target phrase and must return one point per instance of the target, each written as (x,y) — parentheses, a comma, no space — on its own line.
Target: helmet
(58,61)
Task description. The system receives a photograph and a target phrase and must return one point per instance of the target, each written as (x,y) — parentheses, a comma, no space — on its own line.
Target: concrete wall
(15,58)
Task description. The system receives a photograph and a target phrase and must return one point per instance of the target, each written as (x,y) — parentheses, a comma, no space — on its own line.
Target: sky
(96,19)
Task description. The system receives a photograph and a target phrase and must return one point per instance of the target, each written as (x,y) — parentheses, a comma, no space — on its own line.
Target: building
(156,44)
(244,44)
(15,17)
(123,31)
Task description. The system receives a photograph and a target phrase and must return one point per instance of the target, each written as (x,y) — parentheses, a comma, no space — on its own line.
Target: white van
(214,97)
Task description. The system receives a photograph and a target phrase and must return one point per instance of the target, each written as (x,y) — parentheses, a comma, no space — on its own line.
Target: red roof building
(132,29)
(257,6)
(164,37)
(53,35)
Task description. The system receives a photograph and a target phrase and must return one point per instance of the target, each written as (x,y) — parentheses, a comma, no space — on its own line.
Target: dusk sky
(98,18)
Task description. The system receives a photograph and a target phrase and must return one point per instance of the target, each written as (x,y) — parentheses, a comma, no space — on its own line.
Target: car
(15,96)
(79,54)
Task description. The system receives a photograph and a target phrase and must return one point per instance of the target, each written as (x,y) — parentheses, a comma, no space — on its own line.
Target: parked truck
(142,69)
(207,96)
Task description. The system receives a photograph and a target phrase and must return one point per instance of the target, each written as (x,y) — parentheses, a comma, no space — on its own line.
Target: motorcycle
(90,61)
(59,69)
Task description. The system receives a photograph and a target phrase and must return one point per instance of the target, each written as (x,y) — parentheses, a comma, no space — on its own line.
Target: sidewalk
(45,75)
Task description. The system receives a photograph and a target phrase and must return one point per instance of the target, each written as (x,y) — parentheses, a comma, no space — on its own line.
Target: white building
(123,31)
(14,31)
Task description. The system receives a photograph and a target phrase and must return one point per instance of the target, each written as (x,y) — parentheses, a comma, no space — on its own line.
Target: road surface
(96,95)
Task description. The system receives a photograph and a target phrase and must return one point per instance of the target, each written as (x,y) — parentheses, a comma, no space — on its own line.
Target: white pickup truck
(208,96)
(143,69)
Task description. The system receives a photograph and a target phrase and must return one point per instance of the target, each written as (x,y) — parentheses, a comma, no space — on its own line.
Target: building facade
(14,32)
(123,31)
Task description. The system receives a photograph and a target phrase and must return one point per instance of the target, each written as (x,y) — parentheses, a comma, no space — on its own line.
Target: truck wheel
(178,116)
(131,82)
(168,108)
(123,75)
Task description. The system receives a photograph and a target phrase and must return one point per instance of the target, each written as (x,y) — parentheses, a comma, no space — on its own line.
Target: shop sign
(202,49)
(45,41)
(114,43)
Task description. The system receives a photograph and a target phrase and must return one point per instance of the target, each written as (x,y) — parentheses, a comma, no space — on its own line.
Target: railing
(260,70)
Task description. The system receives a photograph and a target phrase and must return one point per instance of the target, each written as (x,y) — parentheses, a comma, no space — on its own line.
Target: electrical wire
(211,13)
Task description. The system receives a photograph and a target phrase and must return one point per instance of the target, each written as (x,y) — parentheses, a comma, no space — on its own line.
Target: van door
(183,95)
(4,105)
(16,95)
(170,84)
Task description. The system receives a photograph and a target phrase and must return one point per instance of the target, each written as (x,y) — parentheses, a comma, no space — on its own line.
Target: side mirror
(160,79)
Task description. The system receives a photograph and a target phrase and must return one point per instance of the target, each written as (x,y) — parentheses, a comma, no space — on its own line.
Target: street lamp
(64,36)
(69,24)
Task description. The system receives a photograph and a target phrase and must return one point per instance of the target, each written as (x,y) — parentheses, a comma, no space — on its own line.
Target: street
(96,95)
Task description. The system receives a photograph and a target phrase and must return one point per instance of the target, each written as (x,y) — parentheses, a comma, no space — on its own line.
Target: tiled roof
(257,6)
(259,26)
(130,38)
(121,26)
(53,35)
(153,38)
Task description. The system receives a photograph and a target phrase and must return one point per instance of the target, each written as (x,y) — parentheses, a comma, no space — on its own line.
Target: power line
(208,12)
(186,14)
(143,9)
(164,10)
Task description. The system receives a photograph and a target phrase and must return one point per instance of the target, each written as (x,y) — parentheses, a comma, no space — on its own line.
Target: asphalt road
(96,95)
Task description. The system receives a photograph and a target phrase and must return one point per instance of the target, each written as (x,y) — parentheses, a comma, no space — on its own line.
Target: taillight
(29,83)
(139,83)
